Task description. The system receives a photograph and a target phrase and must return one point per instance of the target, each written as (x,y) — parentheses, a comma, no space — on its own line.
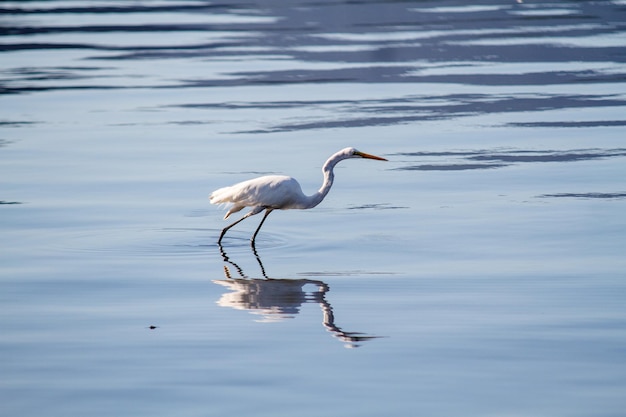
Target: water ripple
(489,159)
(177,242)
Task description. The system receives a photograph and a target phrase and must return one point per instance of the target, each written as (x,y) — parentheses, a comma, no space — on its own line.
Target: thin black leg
(267,212)
(224,230)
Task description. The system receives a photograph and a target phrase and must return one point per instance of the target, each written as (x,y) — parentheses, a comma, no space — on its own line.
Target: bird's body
(280,192)
(271,191)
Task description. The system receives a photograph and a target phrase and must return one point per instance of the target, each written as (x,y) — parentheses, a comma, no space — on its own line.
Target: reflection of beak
(368,156)
(227,272)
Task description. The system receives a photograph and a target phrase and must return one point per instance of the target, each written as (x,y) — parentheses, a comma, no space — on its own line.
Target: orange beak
(368,156)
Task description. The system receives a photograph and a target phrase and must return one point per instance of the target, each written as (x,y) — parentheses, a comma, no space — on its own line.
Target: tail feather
(221,195)
(225,196)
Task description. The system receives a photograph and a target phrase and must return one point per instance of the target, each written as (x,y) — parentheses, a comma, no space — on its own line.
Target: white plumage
(273,192)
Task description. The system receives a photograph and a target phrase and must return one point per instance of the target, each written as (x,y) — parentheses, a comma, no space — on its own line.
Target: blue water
(480,271)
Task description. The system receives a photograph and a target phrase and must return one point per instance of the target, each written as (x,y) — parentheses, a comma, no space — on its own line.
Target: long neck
(329,177)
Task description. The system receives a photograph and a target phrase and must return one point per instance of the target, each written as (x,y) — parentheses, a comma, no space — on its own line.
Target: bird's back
(271,191)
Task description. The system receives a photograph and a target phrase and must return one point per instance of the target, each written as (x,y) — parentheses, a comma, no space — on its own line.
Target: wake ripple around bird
(175,241)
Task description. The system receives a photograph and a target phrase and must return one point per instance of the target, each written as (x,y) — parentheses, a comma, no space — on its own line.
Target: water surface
(478,272)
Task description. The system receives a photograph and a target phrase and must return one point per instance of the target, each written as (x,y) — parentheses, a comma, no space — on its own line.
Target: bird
(278,192)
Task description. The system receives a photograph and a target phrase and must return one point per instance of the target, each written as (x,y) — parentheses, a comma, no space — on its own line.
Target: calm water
(479,272)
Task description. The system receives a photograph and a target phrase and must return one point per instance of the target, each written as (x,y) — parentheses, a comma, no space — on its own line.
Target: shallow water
(478,272)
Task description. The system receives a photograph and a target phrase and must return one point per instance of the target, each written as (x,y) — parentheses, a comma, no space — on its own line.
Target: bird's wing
(269,191)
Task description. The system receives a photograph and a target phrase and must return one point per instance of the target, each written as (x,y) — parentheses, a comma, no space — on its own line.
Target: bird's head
(353,153)
(347,153)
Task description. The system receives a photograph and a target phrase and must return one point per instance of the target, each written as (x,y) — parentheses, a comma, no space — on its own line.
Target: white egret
(280,192)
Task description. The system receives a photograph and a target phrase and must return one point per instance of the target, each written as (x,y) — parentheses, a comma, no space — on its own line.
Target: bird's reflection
(277,299)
